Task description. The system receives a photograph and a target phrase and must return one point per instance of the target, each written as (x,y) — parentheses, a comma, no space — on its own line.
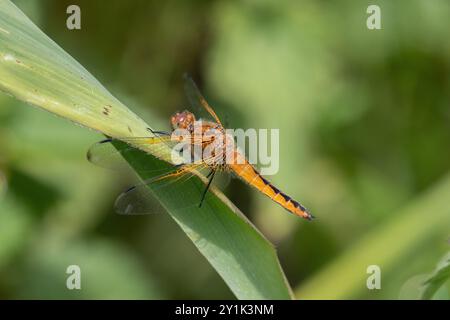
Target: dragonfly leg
(106,140)
(211,177)
(161,133)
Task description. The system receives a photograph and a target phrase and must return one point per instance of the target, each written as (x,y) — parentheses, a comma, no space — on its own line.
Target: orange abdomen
(250,175)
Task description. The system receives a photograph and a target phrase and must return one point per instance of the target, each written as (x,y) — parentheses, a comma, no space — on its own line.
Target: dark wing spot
(129,129)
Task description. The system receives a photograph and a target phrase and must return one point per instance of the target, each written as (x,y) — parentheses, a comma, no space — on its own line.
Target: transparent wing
(196,99)
(140,199)
(106,155)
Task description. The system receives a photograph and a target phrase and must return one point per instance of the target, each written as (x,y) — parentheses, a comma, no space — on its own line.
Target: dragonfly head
(182,120)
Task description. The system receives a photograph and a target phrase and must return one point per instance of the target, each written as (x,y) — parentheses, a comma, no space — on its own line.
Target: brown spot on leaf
(106,110)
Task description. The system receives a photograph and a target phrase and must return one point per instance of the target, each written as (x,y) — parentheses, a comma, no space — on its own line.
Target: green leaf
(36,70)
(417,222)
(437,279)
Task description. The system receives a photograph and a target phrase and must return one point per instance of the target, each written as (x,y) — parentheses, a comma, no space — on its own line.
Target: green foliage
(437,279)
(382,247)
(364,130)
(103,266)
(36,70)
(363,118)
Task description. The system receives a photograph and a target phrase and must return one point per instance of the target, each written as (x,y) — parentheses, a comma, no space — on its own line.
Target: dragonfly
(195,137)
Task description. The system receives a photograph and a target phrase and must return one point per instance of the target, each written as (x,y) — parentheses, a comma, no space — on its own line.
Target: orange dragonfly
(212,135)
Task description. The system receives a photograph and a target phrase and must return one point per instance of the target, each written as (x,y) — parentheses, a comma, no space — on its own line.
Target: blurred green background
(364,123)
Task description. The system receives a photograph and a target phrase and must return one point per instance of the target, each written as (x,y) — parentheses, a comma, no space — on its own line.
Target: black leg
(211,177)
(209,174)
(161,133)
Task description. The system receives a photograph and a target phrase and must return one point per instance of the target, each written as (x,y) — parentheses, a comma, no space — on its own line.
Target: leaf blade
(437,279)
(36,70)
